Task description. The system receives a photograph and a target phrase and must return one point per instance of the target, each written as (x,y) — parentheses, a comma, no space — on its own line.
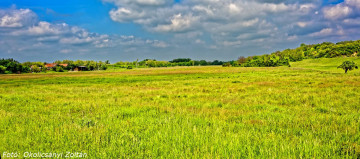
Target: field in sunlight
(184,112)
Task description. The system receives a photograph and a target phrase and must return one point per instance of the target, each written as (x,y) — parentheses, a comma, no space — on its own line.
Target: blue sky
(126,30)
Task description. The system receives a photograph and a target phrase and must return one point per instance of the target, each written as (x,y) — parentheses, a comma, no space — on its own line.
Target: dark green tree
(348,66)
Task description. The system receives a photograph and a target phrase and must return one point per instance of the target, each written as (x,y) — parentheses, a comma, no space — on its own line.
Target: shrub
(228,64)
(2,69)
(44,69)
(59,69)
(103,67)
(35,69)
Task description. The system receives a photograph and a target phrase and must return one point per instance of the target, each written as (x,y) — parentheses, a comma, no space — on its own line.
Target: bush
(2,69)
(103,67)
(228,64)
(44,69)
(59,69)
(35,69)
(129,67)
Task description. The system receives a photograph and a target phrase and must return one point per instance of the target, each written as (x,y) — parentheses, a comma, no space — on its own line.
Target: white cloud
(234,9)
(221,20)
(178,23)
(17,18)
(198,41)
(125,15)
(159,44)
(76,40)
(48,38)
(42,36)
(66,51)
(355,3)
(336,12)
(352,21)
(44,28)
(302,24)
(323,32)
(291,38)
(232,43)
(140,2)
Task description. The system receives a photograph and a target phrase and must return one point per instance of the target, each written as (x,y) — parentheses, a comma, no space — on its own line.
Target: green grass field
(326,64)
(309,110)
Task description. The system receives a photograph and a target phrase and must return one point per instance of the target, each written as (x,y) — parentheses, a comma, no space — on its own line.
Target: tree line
(8,66)
(172,63)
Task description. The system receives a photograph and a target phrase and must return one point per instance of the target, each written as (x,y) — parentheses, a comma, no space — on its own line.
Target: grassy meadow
(309,110)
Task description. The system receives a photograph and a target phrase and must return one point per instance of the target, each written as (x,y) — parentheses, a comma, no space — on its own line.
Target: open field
(185,112)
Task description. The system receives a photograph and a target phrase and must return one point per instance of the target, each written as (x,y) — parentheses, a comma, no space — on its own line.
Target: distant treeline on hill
(172,63)
(8,66)
(282,58)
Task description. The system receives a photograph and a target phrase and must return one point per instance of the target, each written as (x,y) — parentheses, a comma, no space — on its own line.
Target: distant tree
(227,64)
(58,62)
(180,60)
(348,66)
(241,60)
(11,65)
(192,62)
(107,62)
(203,63)
(217,62)
(35,69)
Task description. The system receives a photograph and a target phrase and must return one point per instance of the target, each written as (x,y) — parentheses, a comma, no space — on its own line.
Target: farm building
(50,65)
(64,65)
(53,65)
(80,68)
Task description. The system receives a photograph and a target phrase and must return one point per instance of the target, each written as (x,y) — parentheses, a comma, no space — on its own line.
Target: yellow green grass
(184,112)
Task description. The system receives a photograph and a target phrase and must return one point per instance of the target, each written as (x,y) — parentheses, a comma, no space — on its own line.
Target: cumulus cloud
(178,23)
(223,20)
(355,3)
(343,10)
(140,2)
(234,23)
(323,32)
(16,18)
(25,34)
(337,11)
(44,28)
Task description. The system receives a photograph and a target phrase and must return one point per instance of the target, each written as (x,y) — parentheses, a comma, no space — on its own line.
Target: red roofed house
(53,65)
(65,65)
(50,65)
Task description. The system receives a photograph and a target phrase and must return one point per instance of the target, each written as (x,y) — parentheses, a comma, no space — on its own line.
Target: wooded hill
(323,50)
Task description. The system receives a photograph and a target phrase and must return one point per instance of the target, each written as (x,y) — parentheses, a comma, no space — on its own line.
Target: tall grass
(184,112)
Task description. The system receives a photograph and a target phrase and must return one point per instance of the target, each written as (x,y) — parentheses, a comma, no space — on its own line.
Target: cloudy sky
(126,30)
